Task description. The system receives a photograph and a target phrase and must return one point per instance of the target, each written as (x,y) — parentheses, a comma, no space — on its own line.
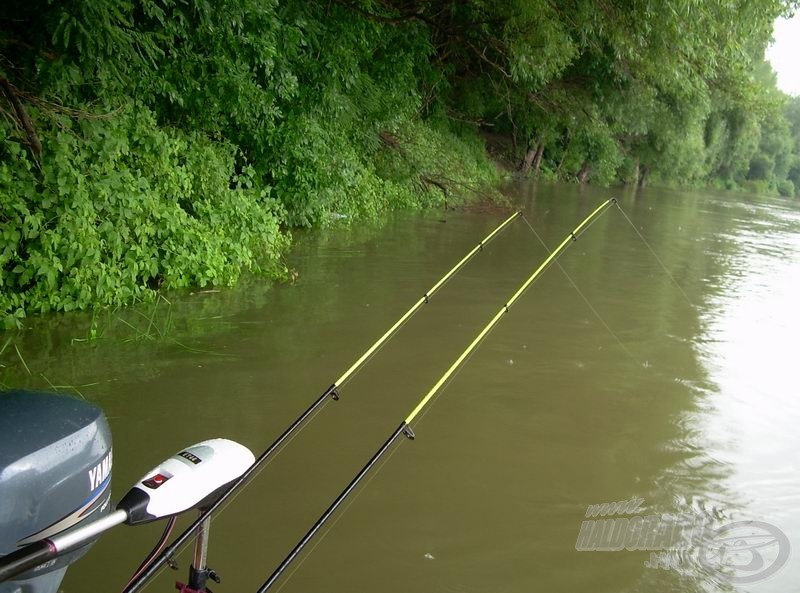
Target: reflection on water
(696,415)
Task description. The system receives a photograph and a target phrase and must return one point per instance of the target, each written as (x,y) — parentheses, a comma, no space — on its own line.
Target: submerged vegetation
(150,143)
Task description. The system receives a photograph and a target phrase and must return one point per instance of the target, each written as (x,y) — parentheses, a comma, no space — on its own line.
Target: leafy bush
(121,207)
(786,188)
(759,187)
(179,138)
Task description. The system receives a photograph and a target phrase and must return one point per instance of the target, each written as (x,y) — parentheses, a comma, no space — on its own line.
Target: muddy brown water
(683,397)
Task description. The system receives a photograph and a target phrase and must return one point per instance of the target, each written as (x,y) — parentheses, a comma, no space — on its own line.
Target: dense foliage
(149,143)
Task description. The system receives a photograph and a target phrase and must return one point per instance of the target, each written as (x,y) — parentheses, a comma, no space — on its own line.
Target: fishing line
(472,352)
(717,387)
(358,364)
(739,376)
(445,385)
(341,513)
(562,247)
(655,255)
(583,296)
(372,354)
(162,541)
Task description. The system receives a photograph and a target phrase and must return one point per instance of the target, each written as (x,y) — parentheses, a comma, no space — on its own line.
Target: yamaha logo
(99,473)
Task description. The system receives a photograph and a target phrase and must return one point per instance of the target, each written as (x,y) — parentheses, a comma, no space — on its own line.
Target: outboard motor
(55,475)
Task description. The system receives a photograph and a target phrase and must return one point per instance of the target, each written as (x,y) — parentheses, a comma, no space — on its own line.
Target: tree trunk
(642,181)
(564,156)
(525,168)
(637,169)
(537,160)
(583,174)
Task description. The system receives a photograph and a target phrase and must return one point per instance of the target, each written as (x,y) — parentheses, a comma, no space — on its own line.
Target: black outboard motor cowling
(55,474)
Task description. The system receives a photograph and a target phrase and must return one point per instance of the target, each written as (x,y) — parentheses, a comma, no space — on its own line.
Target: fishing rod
(199,572)
(404,428)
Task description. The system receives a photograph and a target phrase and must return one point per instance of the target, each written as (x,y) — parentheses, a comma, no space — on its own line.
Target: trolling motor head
(191,479)
(55,475)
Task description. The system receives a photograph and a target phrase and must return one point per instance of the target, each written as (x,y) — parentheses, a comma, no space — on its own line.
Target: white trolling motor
(55,475)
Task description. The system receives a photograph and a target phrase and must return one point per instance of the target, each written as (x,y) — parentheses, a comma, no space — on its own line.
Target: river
(676,390)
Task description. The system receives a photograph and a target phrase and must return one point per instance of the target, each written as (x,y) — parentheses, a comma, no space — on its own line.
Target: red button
(155,481)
